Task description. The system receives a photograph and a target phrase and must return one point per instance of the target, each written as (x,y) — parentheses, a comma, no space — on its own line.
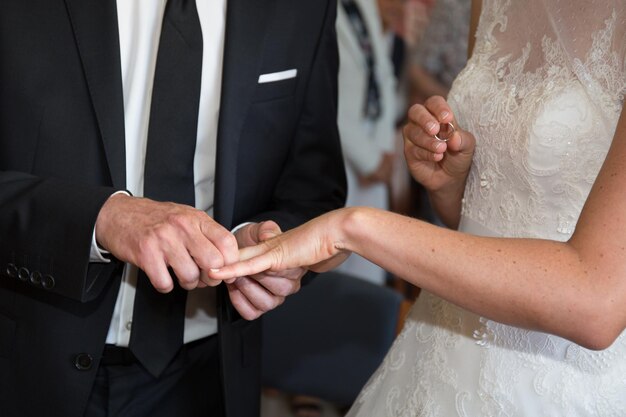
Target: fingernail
(430,126)
(444,115)
(438,145)
(215,270)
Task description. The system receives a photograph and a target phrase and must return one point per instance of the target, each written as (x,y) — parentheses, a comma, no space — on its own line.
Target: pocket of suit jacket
(274,85)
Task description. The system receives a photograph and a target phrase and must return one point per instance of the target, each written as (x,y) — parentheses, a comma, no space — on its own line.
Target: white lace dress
(542,93)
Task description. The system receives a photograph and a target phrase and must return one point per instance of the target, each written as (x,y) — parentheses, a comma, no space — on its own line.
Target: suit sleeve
(312,181)
(46,229)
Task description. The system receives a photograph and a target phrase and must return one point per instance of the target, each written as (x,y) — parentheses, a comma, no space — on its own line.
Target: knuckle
(285,291)
(280,301)
(265,303)
(188,274)
(145,248)
(430,101)
(286,288)
(209,257)
(161,284)
(211,282)
(247,311)
(160,232)
(434,100)
(252,315)
(212,262)
(270,304)
(145,242)
(415,110)
(227,241)
(177,219)
(405,131)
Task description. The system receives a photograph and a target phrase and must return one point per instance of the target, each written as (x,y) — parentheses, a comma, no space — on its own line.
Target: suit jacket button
(35,277)
(23,274)
(83,361)
(11,270)
(47,281)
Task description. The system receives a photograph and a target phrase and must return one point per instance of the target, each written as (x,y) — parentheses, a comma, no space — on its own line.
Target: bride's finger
(424,119)
(413,153)
(462,141)
(440,109)
(254,251)
(250,266)
(416,136)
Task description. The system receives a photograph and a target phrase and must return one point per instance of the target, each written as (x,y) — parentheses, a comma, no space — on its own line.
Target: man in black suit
(78,122)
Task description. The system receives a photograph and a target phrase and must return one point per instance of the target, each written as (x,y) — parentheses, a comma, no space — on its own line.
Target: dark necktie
(158,319)
(372,105)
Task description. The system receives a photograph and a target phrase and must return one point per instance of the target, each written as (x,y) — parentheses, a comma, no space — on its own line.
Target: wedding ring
(449,130)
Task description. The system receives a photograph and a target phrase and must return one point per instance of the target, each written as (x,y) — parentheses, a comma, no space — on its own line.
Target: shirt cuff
(98,254)
(240,226)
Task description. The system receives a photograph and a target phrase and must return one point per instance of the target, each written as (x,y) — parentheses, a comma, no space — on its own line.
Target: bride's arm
(575,289)
(446,192)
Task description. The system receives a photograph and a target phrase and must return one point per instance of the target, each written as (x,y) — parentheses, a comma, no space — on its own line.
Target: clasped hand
(156,236)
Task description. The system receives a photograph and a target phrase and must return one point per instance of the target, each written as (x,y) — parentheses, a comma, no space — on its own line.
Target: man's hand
(257,294)
(156,236)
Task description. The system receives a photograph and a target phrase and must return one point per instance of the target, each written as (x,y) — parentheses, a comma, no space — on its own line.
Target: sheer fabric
(542,93)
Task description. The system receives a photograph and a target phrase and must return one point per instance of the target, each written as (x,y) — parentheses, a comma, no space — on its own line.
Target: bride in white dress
(542,96)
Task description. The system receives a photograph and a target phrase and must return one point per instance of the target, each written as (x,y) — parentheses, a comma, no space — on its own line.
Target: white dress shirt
(139,31)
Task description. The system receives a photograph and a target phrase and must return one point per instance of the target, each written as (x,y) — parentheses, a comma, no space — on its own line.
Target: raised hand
(156,236)
(441,167)
(436,164)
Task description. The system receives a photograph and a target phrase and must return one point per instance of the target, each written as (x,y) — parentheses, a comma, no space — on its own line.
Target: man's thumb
(267,230)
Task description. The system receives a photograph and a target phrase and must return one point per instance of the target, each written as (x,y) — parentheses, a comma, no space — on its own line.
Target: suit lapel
(96,32)
(246,22)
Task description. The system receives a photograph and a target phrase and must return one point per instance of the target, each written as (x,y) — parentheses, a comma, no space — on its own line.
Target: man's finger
(185,268)
(222,239)
(262,299)
(280,284)
(267,230)
(245,308)
(159,276)
(206,281)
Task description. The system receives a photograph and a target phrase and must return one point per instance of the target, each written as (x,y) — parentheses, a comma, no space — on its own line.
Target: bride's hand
(435,164)
(316,245)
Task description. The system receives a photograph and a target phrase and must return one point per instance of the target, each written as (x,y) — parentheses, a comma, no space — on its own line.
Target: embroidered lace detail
(542,134)
(542,94)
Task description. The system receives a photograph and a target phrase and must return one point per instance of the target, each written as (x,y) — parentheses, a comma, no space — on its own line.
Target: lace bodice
(542,94)
(543,111)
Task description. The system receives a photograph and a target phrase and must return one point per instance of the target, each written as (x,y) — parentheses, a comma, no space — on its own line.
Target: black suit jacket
(62,155)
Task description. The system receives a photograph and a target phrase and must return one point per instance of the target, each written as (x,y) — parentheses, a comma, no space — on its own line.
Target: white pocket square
(277,76)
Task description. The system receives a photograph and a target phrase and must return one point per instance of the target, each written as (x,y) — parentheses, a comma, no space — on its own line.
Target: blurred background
(323,343)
